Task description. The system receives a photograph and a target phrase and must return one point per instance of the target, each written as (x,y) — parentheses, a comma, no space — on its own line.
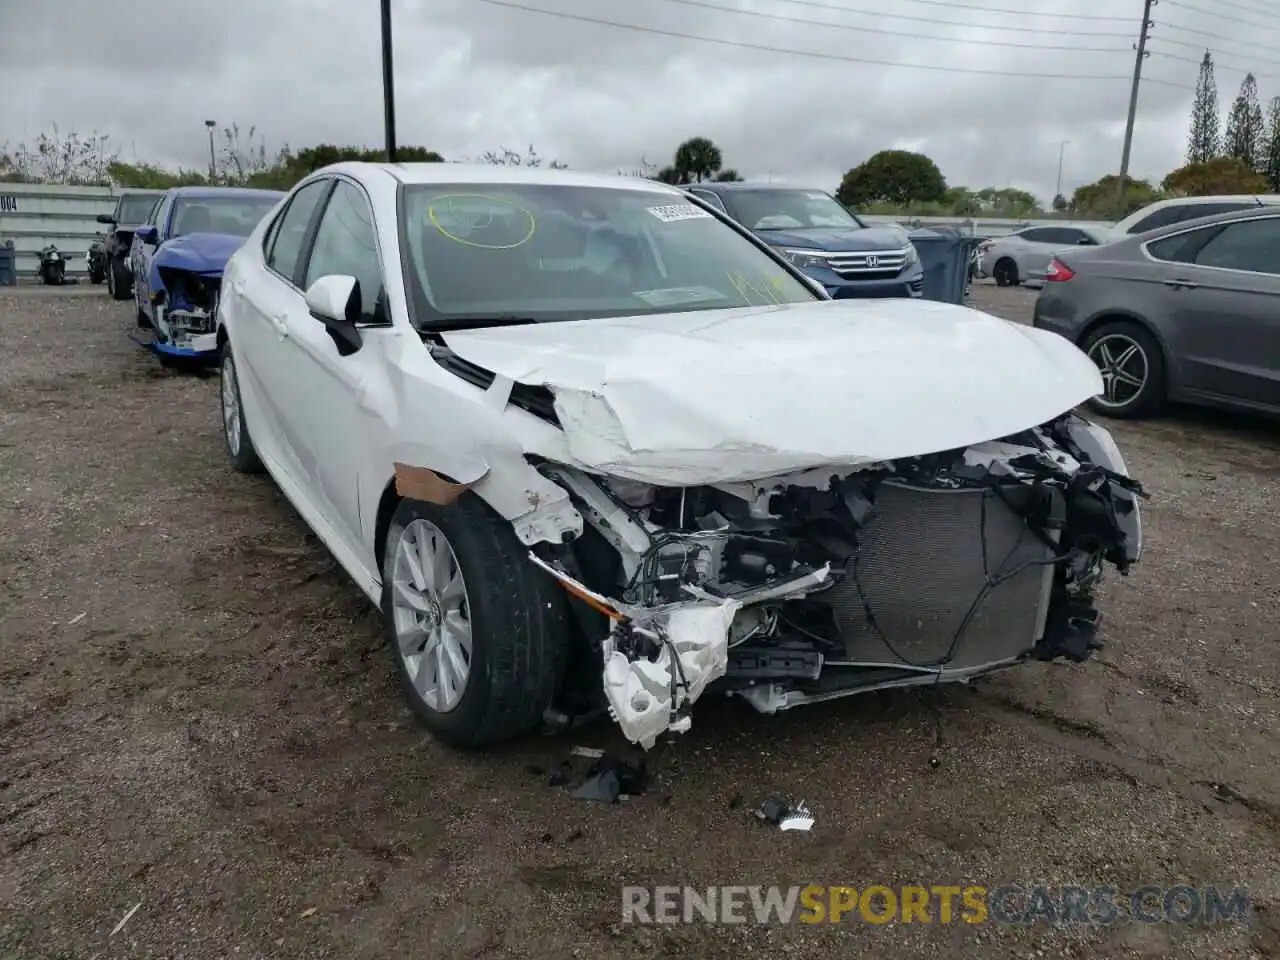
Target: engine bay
(189,306)
(828,583)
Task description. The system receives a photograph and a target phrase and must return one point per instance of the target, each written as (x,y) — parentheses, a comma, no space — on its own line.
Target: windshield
(555,252)
(136,210)
(788,209)
(235,216)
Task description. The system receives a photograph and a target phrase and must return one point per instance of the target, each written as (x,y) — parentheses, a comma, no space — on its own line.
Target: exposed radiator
(920,566)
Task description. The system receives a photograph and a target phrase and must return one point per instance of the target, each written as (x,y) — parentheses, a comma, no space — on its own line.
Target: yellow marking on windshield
(769,291)
(449,206)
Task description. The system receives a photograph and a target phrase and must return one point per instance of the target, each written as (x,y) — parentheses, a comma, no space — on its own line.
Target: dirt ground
(197,717)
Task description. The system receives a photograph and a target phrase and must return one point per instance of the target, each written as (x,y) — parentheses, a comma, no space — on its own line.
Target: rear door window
(1249,245)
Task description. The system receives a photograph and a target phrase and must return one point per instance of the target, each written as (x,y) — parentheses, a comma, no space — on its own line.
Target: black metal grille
(920,568)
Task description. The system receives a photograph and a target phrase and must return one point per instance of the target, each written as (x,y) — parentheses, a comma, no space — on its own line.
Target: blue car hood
(205,253)
(836,238)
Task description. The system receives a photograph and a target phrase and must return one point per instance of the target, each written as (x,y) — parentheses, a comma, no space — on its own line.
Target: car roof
(486,173)
(1255,213)
(212,192)
(729,186)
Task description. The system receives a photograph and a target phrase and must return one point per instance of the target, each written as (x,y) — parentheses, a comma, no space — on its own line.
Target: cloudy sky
(784,91)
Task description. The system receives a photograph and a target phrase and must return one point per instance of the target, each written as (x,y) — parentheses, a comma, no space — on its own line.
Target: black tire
(519,626)
(119,279)
(1005,273)
(240,450)
(1148,400)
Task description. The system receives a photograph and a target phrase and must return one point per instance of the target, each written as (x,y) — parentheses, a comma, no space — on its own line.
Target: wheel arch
(1129,316)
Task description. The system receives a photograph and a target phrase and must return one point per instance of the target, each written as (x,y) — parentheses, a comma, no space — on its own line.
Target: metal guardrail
(978,226)
(35,215)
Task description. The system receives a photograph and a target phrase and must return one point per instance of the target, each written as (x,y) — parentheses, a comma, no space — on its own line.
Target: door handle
(1181,284)
(281,324)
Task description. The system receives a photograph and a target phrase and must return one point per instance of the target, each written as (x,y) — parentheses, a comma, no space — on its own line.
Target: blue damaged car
(848,256)
(177,260)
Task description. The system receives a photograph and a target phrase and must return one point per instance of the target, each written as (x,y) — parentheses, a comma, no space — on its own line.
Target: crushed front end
(185,305)
(829,583)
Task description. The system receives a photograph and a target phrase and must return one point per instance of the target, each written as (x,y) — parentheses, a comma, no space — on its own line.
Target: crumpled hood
(836,238)
(743,394)
(198,252)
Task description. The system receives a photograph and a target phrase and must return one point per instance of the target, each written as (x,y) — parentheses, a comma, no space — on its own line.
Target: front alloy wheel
(479,635)
(432,618)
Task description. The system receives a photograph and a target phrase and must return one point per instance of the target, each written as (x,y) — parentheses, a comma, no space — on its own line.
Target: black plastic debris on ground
(785,814)
(606,781)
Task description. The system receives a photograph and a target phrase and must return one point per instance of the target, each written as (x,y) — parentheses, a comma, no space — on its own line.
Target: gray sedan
(1189,312)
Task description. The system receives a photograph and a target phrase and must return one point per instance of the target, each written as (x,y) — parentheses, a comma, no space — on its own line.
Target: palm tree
(698,159)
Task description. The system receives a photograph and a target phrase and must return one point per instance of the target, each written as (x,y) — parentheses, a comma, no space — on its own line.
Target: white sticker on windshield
(679,211)
(816,195)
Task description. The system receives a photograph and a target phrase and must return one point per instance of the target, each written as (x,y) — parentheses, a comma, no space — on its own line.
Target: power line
(1052,31)
(1268,47)
(656,31)
(702,4)
(1222,16)
(1241,6)
(1233,69)
(1015,13)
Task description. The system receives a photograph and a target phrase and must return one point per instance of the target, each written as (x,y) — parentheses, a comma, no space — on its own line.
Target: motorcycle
(53,266)
(97,260)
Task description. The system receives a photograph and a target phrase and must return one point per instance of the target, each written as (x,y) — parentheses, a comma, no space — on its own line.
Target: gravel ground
(197,716)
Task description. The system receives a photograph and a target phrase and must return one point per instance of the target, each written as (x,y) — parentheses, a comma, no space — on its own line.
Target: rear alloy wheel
(1132,368)
(244,458)
(478,634)
(1006,273)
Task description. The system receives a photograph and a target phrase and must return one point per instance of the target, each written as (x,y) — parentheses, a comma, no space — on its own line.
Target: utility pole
(1061,146)
(1141,47)
(388,84)
(213,163)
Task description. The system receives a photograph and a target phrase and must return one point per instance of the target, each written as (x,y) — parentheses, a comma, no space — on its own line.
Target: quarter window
(284,240)
(346,244)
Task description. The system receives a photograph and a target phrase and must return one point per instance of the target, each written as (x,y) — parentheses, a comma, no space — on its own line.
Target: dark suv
(828,242)
(133,208)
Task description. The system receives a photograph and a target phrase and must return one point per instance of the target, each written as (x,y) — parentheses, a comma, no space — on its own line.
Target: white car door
(1037,247)
(326,392)
(262,291)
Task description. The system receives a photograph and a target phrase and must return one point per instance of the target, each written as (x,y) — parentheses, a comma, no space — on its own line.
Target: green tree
(148,176)
(669,175)
(697,159)
(893,176)
(1202,142)
(1098,199)
(1245,126)
(1271,156)
(728,176)
(1217,176)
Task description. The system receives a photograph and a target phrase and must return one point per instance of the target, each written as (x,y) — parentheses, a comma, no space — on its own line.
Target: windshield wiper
(483,320)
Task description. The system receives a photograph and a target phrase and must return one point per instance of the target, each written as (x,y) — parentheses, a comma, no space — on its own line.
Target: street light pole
(213,164)
(388,84)
(1061,146)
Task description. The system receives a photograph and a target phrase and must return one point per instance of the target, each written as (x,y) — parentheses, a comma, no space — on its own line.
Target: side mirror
(334,300)
(147,234)
(1086,242)
(106,218)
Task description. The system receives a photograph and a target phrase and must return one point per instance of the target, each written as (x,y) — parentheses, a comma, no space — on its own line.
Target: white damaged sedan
(590,445)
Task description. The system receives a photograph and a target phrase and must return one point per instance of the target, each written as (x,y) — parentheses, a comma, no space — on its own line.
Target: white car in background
(1164,213)
(1025,254)
(590,446)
